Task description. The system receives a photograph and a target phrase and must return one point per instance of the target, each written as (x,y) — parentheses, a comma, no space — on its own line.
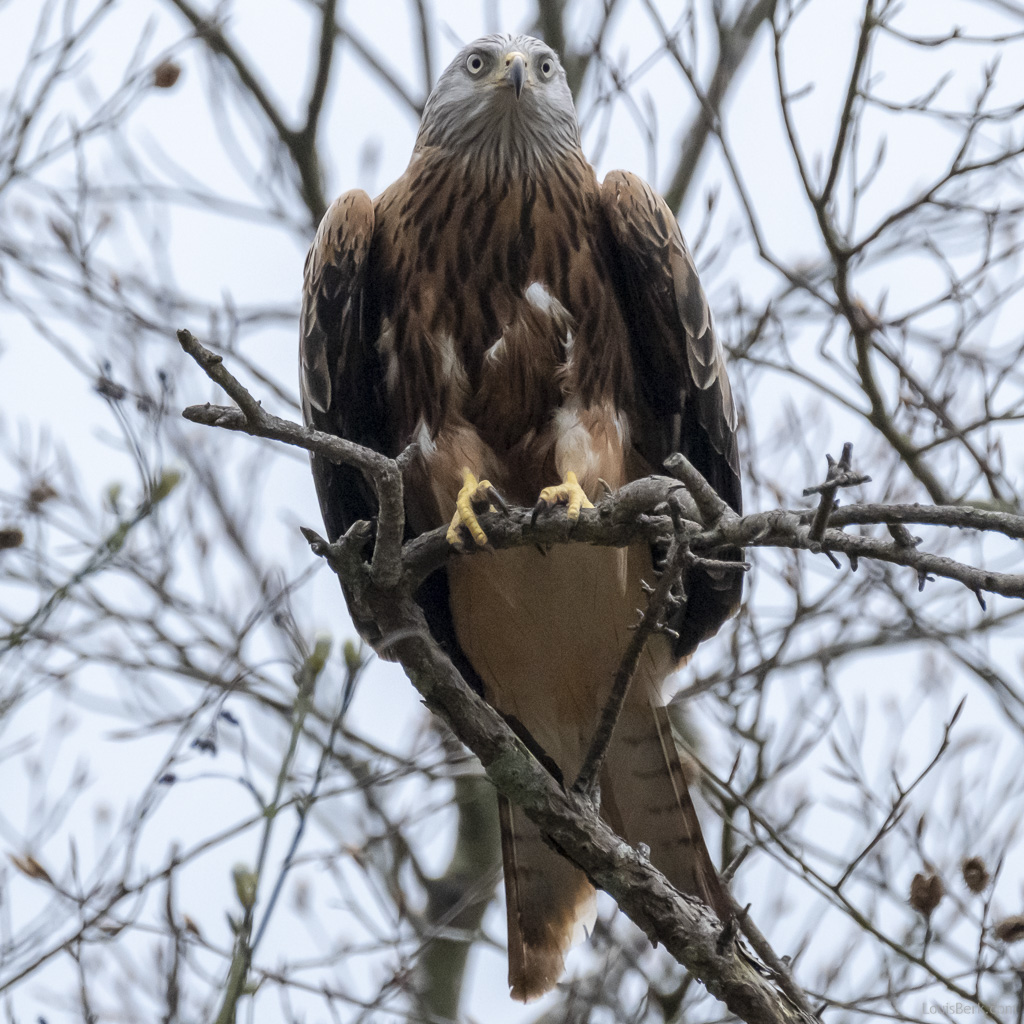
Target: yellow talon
(473,492)
(567,493)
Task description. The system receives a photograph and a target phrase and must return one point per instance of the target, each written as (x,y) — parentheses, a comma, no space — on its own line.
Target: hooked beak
(515,71)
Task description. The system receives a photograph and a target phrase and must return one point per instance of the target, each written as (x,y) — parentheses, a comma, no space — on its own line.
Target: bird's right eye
(474,63)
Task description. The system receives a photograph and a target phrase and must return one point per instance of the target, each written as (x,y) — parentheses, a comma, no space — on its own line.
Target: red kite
(537,331)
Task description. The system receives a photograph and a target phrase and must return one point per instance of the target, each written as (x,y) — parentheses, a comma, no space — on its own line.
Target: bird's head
(504,102)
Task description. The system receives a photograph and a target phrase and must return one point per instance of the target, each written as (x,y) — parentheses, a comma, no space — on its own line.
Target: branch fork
(840,474)
(698,524)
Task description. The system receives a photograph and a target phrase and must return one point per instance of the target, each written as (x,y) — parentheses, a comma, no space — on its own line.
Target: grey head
(503,103)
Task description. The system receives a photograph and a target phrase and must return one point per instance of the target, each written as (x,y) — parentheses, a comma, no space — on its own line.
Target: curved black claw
(475,496)
(494,498)
(568,493)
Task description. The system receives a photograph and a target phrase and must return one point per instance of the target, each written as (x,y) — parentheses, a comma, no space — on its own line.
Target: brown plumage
(519,320)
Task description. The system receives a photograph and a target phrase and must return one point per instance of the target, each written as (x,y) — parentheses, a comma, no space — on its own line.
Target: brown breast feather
(520,386)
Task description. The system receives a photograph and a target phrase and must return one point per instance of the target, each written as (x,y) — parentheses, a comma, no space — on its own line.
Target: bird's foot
(568,493)
(475,496)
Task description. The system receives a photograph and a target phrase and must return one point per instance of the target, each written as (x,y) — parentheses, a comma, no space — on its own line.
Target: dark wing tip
(332,283)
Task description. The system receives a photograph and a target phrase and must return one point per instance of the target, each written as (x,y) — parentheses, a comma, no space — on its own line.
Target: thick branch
(784,529)
(710,503)
(691,932)
(570,821)
(626,517)
(960,516)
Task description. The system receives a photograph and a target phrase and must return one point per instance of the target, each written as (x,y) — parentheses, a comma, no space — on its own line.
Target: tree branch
(734,42)
(301,144)
(701,524)
(619,521)
(586,784)
(840,474)
(251,418)
(852,89)
(688,929)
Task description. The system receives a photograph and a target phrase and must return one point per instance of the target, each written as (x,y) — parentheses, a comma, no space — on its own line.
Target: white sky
(38,388)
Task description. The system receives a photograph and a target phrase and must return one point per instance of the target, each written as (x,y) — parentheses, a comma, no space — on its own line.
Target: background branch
(851,196)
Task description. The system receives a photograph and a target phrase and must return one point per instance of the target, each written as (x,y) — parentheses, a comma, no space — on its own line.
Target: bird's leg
(568,493)
(475,496)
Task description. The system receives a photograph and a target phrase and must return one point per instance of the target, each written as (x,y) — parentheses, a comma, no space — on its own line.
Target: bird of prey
(535,332)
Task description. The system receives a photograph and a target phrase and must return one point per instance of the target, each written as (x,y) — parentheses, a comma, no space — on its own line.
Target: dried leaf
(41,493)
(166,74)
(1010,929)
(28,865)
(110,389)
(11,537)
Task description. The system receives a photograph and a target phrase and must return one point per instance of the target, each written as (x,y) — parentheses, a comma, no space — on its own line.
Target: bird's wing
(683,402)
(340,378)
(343,390)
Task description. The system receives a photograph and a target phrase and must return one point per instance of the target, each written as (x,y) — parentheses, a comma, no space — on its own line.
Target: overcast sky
(367,137)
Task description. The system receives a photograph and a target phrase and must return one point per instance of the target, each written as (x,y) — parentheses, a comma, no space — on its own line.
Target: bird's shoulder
(649,240)
(340,245)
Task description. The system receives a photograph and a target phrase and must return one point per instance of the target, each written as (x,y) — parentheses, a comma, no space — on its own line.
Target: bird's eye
(547,67)
(474,63)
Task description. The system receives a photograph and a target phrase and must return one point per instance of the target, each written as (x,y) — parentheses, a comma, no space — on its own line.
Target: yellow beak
(515,71)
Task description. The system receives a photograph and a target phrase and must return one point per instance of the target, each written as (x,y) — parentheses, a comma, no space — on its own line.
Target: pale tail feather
(645,798)
(549,903)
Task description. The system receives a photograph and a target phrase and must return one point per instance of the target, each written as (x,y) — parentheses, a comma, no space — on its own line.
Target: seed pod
(11,537)
(976,876)
(165,74)
(926,892)
(1010,929)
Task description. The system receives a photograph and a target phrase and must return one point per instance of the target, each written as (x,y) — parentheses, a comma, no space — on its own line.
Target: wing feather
(683,398)
(342,386)
(339,367)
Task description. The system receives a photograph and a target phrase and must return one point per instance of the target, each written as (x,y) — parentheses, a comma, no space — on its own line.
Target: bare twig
(382,472)
(734,43)
(852,91)
(840,474)
(651,622)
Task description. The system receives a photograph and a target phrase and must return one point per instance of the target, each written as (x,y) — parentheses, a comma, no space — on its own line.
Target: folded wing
(683,401)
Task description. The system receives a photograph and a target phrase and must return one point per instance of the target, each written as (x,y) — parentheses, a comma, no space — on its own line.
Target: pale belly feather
(546,633)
